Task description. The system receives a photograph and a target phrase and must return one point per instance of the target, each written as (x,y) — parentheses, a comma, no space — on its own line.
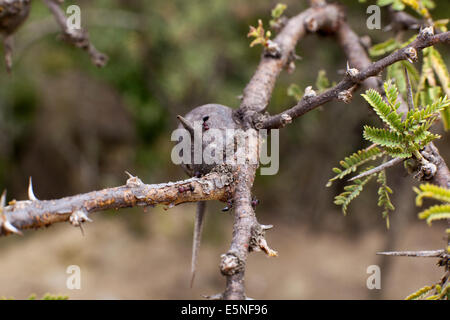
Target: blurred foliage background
(75,128)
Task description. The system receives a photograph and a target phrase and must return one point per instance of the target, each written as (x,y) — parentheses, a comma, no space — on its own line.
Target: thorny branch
(76,37)
(257,95)
(354,77)
(440,175)
(258,91)
(255,99)
(33,213)
(13,14)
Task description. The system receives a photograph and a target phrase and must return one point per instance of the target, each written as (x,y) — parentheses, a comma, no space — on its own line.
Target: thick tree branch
(248,235)
(442,174)
(258,91)
(39,213)
(233,263)
(355,53)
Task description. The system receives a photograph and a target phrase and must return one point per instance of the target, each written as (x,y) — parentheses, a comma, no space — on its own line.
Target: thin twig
(381,167)
(305,105)
(429,253)
(77,37)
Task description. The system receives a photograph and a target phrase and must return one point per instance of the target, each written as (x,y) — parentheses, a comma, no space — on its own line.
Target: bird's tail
(198,227)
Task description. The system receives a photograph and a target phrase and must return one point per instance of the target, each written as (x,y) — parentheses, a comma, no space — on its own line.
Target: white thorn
(286,119)
(309,92)
(133,181)
(129,174)
(411,54)
(427,32)
(3,201)
(273,48)
(31,195)
(9,227)
(352,72)
(345,96)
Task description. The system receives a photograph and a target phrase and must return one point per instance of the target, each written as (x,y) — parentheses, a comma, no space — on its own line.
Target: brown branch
(401,20)
(425,39)
(356,54)
(233,263)
(257,93)
(442,174)
(79,37)
(248,234)
(39,213)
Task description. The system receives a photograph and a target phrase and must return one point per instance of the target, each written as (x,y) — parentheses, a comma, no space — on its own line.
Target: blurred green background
(75,128)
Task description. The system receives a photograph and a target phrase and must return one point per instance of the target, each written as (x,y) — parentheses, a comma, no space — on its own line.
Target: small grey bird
(210,116)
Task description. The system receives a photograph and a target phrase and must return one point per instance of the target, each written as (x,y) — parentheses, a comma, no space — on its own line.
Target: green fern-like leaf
(434,292)
(399,139)
(387,113)
(432,191)
(445,116)
(428,90)
(384,47)
(419,293)
(351,192)
(384,137)
(391,93)
(437,212)
(351,163)
(422,137)
(396,72)
(440,68)
(427,74)
(442,72)
(49,296)
(430,111)
(384,199)
(396,4)
(398,152)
